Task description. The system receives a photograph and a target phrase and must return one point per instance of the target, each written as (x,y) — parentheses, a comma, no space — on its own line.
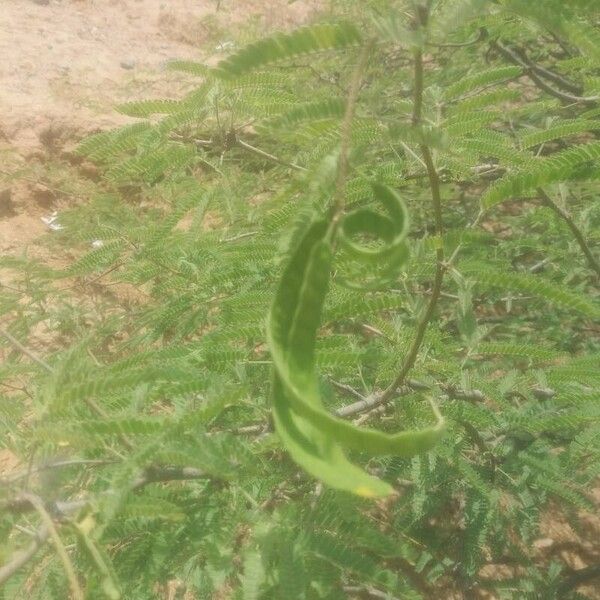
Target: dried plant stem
(26,502)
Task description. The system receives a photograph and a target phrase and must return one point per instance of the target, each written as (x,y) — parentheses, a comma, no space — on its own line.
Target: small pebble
(127,64)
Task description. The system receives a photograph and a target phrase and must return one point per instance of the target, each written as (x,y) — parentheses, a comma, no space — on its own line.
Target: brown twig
(535,75)
(22,557)
(370,591)
(369,403)
(348,390)
(151,474)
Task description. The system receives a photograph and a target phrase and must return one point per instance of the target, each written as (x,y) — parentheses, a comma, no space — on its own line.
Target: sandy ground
(66,63)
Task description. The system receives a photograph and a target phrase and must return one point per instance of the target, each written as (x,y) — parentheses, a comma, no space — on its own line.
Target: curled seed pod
(315,438)
(377,262)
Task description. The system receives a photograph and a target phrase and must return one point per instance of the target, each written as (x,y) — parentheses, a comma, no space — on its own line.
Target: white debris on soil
(51,222)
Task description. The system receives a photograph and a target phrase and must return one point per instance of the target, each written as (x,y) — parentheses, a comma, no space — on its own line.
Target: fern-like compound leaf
(146,108)
(561,166)
(315,38)
(559,129)
(481,79)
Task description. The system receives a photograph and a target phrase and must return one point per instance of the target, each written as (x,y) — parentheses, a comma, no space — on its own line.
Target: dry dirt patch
(69,61)
(66,63)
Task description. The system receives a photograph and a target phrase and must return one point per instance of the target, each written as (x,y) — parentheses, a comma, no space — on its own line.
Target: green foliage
(315,38)
(481,79)
(212,285)
(576,163)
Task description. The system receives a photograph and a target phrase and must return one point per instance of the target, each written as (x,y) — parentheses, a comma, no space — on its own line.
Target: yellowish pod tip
(365,492)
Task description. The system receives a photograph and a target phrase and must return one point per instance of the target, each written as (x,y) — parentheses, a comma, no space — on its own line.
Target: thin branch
(17,388)
(369,403)
(417,113)
(369,591)
(348,390)
(95,279)
(27,502)
(346,131)
(592,261)
(434,185)
(246,146)
(37,503)
(16,344)
(534,75)
(61,464)
(268,156)
(539,265)
(378,410)
(151,474)
(241,236)
(91,403)
(22,557)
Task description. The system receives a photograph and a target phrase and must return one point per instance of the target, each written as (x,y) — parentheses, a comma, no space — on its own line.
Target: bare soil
(66,63)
